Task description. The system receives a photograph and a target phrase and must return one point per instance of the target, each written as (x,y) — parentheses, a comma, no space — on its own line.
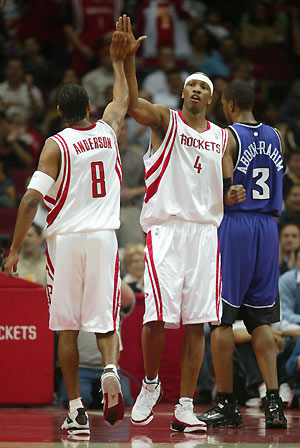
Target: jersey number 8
(98,180)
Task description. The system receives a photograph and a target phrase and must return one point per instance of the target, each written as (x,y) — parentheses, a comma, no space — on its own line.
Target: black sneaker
(273,408)
(221,415)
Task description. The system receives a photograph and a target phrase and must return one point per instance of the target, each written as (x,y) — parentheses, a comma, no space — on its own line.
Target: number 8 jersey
(259,168)
(86,195)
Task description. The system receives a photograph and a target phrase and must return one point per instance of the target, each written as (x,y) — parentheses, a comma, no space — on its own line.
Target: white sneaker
(114,407)
(149,396)
(77,422)
(285,392)
(185,420)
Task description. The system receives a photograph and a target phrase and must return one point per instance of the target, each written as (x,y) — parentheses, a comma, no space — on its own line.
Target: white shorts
(83,281)
(182,274)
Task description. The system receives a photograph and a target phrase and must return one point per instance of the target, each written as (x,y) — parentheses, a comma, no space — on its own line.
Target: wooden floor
(38,427)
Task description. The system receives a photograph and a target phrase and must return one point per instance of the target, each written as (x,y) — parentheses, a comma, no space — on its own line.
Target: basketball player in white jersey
(79,177)
(182,210)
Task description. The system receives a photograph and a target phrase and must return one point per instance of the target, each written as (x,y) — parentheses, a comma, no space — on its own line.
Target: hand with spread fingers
(118,46)
(124,25)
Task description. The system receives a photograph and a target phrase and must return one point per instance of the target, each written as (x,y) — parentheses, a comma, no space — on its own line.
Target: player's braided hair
(73,101)
(241,93)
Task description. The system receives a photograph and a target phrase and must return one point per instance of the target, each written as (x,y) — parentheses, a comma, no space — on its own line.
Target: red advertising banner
(26,344)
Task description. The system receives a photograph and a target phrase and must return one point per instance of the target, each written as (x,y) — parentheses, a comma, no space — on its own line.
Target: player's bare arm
(147,114)
(233,194)
(281,139)
(116,110)
(49,164)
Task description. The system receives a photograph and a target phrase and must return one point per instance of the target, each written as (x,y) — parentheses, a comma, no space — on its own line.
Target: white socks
(111,366)
(75,404)
(154,381)
(185,400)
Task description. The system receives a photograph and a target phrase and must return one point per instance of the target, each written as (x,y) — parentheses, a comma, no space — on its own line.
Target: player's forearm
(26,213)
(129,67)
(120,88)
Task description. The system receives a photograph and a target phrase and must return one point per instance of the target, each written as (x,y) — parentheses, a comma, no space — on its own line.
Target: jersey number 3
(98,180)
(263,175)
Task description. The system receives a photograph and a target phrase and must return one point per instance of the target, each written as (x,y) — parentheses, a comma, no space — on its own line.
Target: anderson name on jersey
(86,195)
(184,177)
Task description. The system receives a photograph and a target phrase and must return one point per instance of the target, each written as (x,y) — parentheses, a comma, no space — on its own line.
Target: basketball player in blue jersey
(249,248)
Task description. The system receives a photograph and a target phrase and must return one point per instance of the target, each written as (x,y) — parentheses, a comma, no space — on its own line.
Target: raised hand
(118,46)
(124,25)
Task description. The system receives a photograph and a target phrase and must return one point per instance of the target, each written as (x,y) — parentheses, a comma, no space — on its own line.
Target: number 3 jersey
(259,168)
(86,194)
(184,176)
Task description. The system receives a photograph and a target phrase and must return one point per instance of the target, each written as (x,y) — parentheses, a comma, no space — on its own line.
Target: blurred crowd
(45,44)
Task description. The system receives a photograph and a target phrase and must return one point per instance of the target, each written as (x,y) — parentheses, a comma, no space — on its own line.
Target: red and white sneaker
(184,419)
(149,396)
(77,422)
(114,407)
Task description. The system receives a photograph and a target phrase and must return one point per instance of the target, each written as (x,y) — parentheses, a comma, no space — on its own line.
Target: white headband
(200,77)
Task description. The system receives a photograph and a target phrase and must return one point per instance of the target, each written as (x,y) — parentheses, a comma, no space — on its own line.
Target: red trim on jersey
(49,273)
(115,298)
(49,199)
(152,189)
(153,289)
(49,262)
(183,119)
(83,129)
(224,140)
(159,300)
(118,165)
(59,203)
(158,162)
(218,284)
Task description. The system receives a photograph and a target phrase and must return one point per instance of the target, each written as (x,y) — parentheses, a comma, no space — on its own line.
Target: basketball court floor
(38,427)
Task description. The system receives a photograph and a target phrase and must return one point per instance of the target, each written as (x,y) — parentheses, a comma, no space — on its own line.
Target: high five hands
(124,25)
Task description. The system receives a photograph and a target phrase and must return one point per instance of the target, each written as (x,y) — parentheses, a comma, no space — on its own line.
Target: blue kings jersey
(259,168)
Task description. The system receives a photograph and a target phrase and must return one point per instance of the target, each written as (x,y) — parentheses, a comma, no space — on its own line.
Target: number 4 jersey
(259,168)
(86,195)
(184,176)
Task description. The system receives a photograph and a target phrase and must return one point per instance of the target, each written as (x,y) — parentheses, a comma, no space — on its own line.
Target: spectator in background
(132,191)
(85,22)
(289,240)
(291,214)
(138,134)
(43,70)
(32,258)
(96,81)
(258,28)
(7,189)
(164,22)
(18,92)
(215,26)
(14,152)
(289,291)
(292,175)
(201,49)
(157,81)
(290,110)
(172,97)
(134,264)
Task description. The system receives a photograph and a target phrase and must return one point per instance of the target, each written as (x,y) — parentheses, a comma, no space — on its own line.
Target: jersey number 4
(98,180)
(263,175)
(198,165)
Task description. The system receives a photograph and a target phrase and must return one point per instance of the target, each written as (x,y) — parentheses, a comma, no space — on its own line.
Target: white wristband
(41,182)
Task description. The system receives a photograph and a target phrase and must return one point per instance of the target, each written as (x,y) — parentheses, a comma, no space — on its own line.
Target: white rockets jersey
(86,195)
(184,177)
